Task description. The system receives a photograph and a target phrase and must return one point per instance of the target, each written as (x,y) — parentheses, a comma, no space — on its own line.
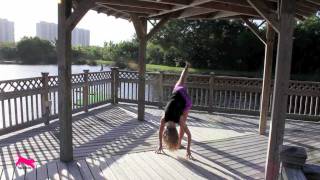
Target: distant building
(6,30)
(49,31)
(80,37)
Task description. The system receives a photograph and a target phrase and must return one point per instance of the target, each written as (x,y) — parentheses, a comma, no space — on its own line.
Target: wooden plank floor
(109,143)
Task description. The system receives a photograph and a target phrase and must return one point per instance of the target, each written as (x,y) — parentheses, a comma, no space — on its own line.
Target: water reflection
(13,71)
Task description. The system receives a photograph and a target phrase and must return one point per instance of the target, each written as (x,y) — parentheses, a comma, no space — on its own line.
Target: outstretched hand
(159,150)
(189,156)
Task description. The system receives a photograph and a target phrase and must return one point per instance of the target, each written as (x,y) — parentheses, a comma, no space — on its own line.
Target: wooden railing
(25,102)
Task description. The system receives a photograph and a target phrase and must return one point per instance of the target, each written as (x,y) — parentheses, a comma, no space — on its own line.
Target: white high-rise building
(49,31)
(6,30)
(80,37)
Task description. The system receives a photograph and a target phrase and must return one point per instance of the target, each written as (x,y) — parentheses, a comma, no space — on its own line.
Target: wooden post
(267,74)
(280,97)
(85,94)
(45,98)
(64,74)
(114,84)
(161,89)
(142,67)
(140,25)
(211,92)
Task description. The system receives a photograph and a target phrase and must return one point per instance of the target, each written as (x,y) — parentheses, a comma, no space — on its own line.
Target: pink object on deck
(25,161)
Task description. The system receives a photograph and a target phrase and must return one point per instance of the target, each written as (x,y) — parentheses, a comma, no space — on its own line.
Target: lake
(14,71)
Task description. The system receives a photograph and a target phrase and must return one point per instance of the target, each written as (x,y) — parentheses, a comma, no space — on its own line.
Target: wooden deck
(109,143)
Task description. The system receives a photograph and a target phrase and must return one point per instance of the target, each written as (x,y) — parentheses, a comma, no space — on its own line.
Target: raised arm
(184,75)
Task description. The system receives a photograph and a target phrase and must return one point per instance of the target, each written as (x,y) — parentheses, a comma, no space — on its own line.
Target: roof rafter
(264,11)
(82,8)
(157,27)
(139,4)
(254,28)
(231,8)
(133,9)
(190,12)
(185,6)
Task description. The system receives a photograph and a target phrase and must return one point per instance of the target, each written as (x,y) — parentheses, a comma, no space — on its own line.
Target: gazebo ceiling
(196,9)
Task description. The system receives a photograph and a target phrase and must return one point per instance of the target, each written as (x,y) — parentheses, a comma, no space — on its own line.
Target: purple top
(183,91)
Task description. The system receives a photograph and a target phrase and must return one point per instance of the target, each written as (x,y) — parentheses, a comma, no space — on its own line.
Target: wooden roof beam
(133,9)
(214,6)
(139,4)
(175,2)
(157,27)
(181,7)
(244,3)
(317,2)
(224,14)
(195,12)
(138,26)
(264,11)
(255,30)
(308,5)
(82,8)
(231,8)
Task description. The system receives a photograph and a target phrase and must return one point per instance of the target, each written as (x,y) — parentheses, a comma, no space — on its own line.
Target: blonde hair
(171,138)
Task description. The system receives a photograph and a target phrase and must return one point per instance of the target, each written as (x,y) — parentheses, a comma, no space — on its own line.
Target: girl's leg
(183,76)
(181,130)
(181,134)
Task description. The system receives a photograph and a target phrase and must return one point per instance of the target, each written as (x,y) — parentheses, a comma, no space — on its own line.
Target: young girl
(176,112)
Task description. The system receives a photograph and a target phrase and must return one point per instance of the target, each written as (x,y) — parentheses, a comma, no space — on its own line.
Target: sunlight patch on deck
(208,134)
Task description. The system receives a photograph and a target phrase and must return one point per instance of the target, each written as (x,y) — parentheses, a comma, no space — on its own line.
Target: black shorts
(174,108)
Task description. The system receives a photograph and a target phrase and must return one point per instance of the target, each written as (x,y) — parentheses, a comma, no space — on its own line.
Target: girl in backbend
(176,112)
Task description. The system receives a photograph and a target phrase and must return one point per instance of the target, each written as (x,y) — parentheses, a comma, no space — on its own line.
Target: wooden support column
(142,70)
(85,94)
(140,25)
(45,109)
(280,97)
(267,74)
(64,74)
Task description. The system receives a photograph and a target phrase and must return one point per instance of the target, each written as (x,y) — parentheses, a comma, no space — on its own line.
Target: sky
(26,13)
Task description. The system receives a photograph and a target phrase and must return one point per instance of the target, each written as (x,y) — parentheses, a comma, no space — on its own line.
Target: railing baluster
(295,104)
(306,105)
(21,110)
(230,99)
(27,108)
(255,100)
(300,106)
(15,111)
(317,106)
(9,112)
(37,106)
(32,107)
(56,102)
(3,114)
(311,105)
(290,104)
(250,101)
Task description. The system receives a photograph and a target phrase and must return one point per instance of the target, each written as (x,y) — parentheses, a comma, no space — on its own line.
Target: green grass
(173,69)
(157,68)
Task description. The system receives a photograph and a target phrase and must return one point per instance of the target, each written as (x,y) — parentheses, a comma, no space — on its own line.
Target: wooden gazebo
(280,15)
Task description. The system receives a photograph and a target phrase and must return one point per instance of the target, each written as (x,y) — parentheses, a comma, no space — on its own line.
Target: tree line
(216,44)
